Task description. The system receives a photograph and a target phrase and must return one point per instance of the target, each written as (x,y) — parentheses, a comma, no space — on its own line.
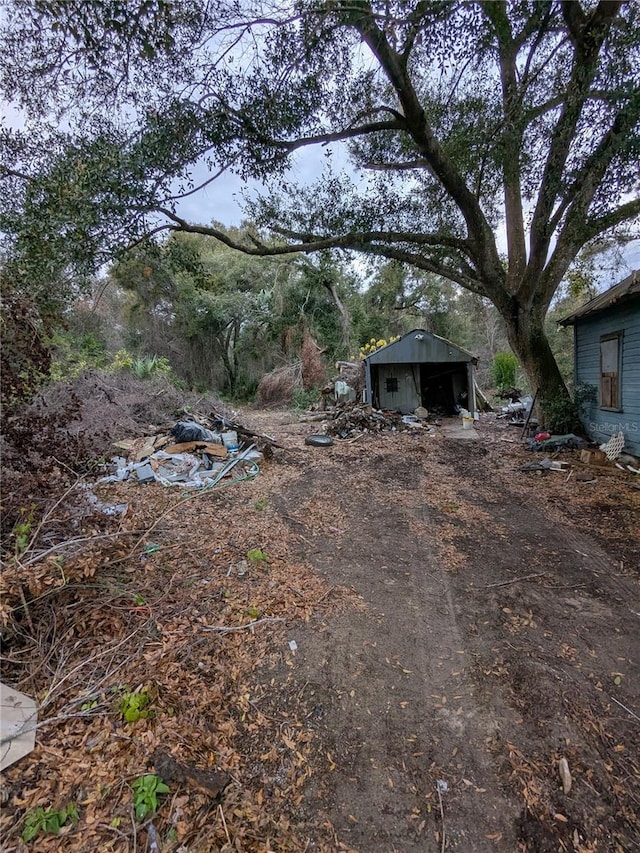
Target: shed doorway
(443,386)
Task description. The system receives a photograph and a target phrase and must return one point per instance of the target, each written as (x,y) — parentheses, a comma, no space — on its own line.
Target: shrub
(563,414)
(504,369)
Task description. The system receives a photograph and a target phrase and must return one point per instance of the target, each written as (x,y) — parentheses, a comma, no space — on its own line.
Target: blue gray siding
(600,423)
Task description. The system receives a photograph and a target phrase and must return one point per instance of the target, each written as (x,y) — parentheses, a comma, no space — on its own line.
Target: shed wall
(600,423)
(406,377)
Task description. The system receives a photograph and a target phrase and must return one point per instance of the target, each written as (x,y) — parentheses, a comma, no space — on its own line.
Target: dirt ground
(498,627)
(440,629)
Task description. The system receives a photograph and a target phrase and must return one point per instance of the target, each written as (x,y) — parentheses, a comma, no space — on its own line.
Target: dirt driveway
(495,633)
(388,644)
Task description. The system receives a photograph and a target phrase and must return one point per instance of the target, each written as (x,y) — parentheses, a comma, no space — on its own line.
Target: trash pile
(552,443)
(517,410)
(350,420)
(193,453)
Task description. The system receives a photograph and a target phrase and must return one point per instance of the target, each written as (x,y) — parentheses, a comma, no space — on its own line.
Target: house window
(391,384)
(610,396)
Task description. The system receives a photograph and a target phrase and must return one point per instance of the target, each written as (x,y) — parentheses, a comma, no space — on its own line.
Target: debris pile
(350,420)
(192,453)
(556,442)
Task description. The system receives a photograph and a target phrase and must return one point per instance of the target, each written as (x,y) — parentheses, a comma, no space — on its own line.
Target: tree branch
(588,38)
(336,136)
(394,67)
(624,213)
(512,135)
(435,240)
(388,167)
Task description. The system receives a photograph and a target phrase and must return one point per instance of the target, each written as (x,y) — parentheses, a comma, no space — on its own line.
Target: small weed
(139,599)
(22,530)
(133,706)
(252,611)
(145,794)
(256,555)
(261,504)
(89,706)
(49,821)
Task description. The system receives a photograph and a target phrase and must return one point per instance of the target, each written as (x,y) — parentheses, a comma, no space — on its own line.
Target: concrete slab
(18,718)
(457,431)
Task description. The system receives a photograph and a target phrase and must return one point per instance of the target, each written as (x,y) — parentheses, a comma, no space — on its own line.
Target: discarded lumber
(210,447)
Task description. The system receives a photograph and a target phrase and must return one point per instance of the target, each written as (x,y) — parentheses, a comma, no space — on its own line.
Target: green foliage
(134,706)
(256,555)
(48,821)
(504,369)
(122,360)
(72,354)
(22,530)
(303,399)
(147,366)
(145,794)
(563,414)
(142,367)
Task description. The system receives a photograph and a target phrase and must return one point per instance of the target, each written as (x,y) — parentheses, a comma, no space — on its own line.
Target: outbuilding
(421,369)
(606,335)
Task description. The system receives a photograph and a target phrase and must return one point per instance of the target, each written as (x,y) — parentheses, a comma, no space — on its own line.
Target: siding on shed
(407,397)
(599,423)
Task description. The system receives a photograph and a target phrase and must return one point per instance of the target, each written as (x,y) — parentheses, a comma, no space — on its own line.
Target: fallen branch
(628,710)
(515,580)
(444,836)
(226,629)
(77,541)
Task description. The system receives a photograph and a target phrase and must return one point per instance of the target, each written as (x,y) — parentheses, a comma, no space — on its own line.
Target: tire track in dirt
(452,550)
(400,710)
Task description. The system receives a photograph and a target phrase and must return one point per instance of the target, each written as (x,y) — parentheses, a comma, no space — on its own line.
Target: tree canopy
(461,121)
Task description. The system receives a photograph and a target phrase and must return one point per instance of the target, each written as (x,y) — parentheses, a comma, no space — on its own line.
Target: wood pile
(351,419)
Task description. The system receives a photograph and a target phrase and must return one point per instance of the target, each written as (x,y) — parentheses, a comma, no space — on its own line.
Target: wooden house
(607,356)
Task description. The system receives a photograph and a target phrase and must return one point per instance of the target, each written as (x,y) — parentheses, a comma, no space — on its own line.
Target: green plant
(261,504)
(134,705)
(148,365)
(49,821)
(256,555)
(22,530)
(145,794)
(122,360)
(303,399)
(564,415)
(504,369)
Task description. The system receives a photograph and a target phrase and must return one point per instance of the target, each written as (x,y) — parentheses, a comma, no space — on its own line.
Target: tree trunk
(529,342)
(345,317)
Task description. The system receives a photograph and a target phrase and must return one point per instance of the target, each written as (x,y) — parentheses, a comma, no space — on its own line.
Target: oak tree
(488,142)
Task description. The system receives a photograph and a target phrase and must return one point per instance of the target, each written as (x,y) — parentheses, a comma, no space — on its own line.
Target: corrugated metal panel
(602,423)
(399,387)
(418,347)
